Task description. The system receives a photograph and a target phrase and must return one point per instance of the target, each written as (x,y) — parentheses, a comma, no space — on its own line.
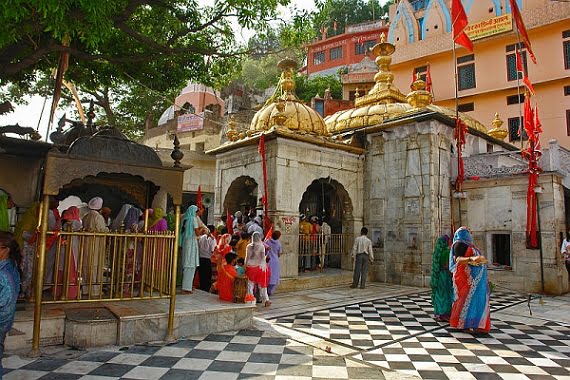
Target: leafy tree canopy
(307,88)
(124,48)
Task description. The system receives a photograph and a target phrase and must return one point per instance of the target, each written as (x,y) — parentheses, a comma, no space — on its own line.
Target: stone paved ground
(382,332)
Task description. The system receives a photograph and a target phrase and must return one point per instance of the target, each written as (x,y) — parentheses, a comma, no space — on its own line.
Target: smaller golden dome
(419,97)
(285,110)
(498,132)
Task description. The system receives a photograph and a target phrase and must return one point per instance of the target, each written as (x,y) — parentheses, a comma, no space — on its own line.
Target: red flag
(537,123)
(521,28)
(229,222)
(528,116)
(413,77)
(269,233)
(521,69)
(459,23)
(428,79)
(199,199)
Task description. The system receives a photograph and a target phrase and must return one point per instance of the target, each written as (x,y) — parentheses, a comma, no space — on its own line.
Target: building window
(566,47)
(467,107)
(466,72)
(512,73)
(514,132)
(515,99)
(566,90)
(319,58)
(336,53)
(501,248)
(422,70)
(364,47)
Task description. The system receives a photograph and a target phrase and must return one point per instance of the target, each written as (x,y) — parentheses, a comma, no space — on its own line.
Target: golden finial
(287,82)
(419,97)
(232,133)
(382,37)
(498,132)
(356,93)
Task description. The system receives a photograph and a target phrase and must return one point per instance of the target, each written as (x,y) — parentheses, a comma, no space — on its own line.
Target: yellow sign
(490,27)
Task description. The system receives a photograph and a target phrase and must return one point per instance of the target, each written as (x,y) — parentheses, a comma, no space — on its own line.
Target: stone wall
(406,190)
(499,206)
(291,167)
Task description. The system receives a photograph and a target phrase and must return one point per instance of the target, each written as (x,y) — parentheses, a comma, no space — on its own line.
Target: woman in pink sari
(256,267)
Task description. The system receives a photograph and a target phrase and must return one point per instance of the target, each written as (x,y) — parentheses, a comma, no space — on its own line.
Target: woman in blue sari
(191,229)
(470,309)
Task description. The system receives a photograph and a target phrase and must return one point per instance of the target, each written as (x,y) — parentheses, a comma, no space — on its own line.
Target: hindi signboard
(190,122)
(490,27)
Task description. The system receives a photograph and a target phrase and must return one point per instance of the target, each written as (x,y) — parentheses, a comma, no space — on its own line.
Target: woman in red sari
(222,249)
(256,267)
(226,276)
(70,219)
(470,309)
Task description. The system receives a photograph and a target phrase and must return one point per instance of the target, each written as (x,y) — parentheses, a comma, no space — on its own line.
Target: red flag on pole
(229,222)
(428,79)
(521,69)
(521,28)
(528,116)
(459,23)
(199,199)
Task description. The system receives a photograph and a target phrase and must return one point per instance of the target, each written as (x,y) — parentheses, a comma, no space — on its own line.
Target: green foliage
(121,48)
(307,88)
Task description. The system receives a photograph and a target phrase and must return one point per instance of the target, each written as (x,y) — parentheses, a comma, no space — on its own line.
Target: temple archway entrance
(241,195)
(327,201)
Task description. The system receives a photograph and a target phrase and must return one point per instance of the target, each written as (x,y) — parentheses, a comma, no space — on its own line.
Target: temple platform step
(317,279)
(127,322)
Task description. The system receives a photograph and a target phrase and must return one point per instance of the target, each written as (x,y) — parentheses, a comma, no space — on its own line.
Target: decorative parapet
(557,158)
(494,165)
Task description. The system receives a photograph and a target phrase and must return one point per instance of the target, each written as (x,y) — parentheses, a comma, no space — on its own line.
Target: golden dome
(385,101)
(285,111)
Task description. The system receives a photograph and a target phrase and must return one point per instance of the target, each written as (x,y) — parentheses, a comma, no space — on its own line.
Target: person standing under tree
(362,254)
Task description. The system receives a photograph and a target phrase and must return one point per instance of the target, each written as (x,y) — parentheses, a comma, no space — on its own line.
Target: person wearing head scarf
(26,237)
(120,218)
(256,267)
(274,253)
(305,258)
(94,249)
(255,226)
(106,213)
(156,221)
(440,280)
(54,224)
(191,229)
(70,221)
(131,221)
(470,310)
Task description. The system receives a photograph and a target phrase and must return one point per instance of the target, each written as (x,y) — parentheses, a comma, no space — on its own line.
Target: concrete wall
(19,178)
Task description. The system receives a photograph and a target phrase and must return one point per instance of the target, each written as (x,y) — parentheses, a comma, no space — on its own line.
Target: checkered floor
(245,354)
(510,351)
(381,322)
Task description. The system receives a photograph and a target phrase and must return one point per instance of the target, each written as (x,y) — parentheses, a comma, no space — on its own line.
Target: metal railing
(320,251)
(96,266)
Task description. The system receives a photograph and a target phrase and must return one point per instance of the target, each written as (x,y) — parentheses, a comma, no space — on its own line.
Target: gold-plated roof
(285,110)
(385,101)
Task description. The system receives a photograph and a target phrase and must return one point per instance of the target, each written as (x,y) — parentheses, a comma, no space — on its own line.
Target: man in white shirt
(206,246)
(362,254)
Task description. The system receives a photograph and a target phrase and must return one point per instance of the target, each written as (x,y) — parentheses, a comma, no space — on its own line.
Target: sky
(30,115)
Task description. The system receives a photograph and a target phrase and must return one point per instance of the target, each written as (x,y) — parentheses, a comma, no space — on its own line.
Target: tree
(124,46)
(307,88)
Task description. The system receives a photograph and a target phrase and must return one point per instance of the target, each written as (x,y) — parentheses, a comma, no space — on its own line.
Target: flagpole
(457,132)
(519,85)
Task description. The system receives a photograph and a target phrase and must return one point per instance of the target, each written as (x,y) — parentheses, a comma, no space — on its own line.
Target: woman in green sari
(440,281)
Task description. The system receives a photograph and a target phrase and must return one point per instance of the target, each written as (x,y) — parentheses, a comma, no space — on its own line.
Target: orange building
(327,56)
(487,77)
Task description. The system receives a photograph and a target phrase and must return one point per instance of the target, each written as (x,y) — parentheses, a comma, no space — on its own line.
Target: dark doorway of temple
(327,200)
(241,195)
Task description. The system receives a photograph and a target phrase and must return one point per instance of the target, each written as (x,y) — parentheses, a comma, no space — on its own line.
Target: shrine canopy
(108,158)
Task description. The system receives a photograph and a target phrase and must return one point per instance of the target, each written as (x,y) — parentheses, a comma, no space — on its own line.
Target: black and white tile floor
(396,333)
